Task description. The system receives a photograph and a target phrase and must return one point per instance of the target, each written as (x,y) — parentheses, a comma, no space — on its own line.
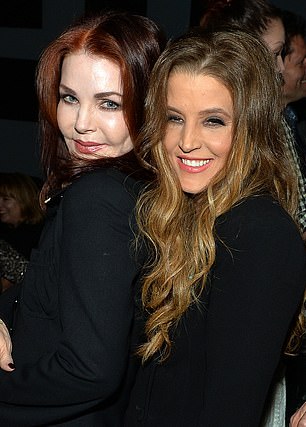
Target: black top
(22,238)
(227,348)
(71,335)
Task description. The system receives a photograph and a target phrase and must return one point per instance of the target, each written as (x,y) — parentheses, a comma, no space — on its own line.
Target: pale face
(89,112)
(198,136)
(295,71)
(10,211)
(274,37)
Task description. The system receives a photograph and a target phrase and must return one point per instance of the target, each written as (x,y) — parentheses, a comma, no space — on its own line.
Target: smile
(194,163)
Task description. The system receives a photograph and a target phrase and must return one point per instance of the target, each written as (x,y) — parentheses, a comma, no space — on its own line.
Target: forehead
(298,45)
(274,33)
(198,88)
(81,66)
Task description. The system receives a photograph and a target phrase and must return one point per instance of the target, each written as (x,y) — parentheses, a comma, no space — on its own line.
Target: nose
(85,120)
(189,138)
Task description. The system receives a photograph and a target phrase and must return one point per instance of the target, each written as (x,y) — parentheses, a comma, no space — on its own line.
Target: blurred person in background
(294,56)
(21,222)
(21,217)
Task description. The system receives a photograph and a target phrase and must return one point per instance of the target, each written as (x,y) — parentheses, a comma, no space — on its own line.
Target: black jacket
(226,348)
(71,335)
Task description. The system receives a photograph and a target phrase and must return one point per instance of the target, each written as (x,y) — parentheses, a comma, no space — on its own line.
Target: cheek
(14,208)
(226,153)
(223,153)
(169,141)
(115,127)
(222,144)
(64,119)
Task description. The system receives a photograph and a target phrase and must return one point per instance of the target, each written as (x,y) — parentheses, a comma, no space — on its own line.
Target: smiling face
(89,113)
(198,135)
(10,210)
(295,70)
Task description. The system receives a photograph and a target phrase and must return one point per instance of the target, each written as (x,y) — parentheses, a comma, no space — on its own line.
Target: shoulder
(256,211)
(108,179)
(109,185)
(259,220)
(258,243)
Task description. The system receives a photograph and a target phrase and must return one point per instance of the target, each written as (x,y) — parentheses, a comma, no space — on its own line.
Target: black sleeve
(257,285)
(95,276)
(8,304)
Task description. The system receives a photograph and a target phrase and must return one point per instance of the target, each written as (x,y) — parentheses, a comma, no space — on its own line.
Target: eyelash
(210,121)
(174,119)
(215,121)
(68,99)
(280,53)
(106,104)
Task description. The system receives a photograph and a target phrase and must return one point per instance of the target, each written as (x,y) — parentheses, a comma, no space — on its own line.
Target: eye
(174,119)
(281,52)
(214,121)
(108,104)
(68,99)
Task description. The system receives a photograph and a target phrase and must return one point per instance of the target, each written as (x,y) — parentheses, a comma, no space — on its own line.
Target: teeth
(195,163)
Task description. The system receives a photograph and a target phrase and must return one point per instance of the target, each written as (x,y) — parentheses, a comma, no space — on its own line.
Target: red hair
(131,41)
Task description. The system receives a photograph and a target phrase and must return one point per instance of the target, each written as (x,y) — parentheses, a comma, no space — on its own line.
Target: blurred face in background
(90,114)
(10,210)
(274,38)
(295,70)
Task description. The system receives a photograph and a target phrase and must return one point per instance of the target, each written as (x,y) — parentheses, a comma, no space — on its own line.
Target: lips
(87,147)
(193,165)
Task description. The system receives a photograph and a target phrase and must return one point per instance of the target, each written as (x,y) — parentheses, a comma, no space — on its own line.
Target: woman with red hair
(71,332)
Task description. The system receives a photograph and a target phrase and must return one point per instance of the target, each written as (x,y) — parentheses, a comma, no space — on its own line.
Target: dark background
(26,27)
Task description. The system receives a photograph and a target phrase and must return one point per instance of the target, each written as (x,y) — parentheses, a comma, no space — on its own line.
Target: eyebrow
(100,95)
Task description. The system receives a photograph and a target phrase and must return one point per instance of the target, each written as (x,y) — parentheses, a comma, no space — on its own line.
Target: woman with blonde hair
(228,264)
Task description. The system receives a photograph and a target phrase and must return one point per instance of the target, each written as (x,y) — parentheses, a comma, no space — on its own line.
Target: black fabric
(71,336)
(22,238)
(226,349)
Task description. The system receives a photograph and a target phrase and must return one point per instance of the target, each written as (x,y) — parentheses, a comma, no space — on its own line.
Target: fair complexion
(6,361)
(10,212)
(274,38)
(294,72)
(299,418)
(89,113)
(198,135)
(91,120)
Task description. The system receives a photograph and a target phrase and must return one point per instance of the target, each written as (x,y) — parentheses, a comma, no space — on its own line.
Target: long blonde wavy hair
(180,228)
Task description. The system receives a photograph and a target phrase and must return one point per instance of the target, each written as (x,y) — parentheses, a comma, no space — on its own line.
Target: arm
(96,270)
(257,285)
